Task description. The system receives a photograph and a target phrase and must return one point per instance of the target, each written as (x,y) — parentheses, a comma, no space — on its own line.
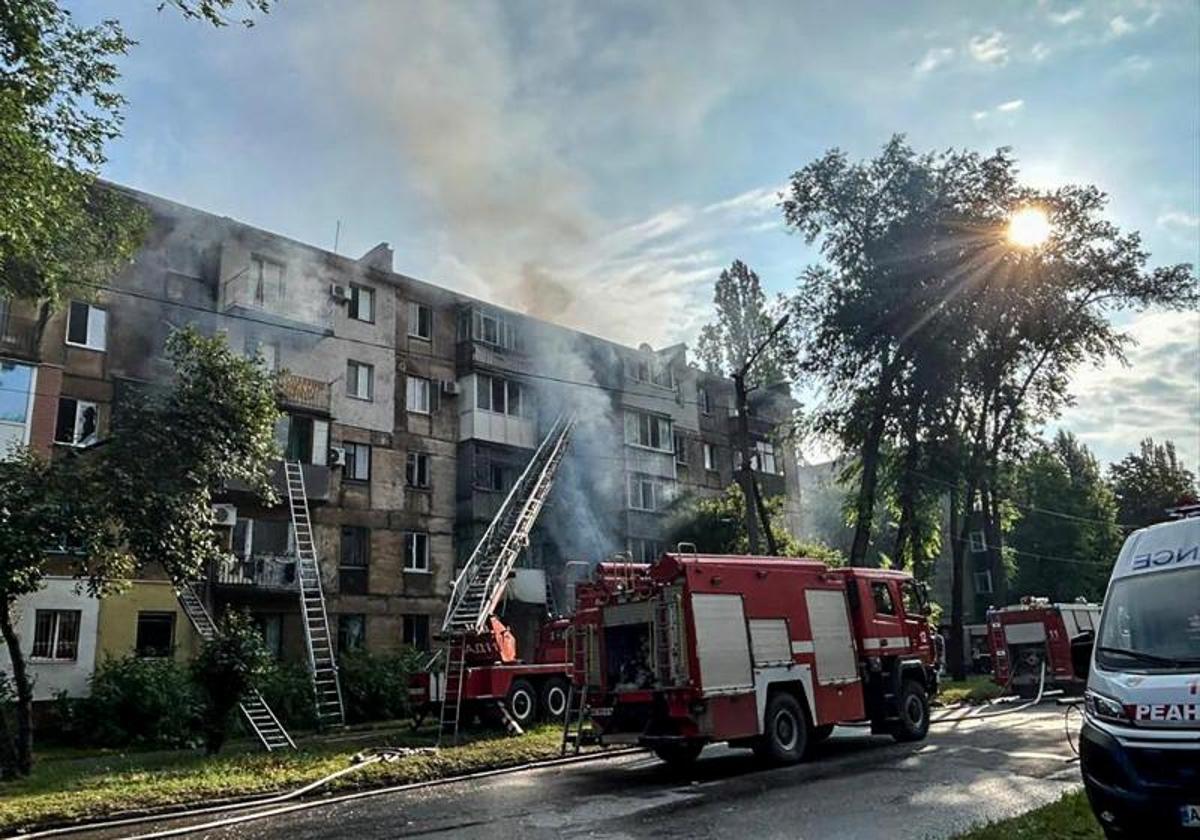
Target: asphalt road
(856,786)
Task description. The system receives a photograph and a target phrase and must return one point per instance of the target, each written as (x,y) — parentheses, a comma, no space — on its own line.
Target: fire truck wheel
(554,698)
(522,703)
(679,755)
(785,731)
(914,713)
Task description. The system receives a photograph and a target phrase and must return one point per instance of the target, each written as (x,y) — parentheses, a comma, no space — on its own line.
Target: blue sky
(598,163)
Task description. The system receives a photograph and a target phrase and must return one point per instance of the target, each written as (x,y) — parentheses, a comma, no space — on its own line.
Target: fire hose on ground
(980,713)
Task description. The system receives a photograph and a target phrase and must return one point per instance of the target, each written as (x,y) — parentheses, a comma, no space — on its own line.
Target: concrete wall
(51,677)
(117,622)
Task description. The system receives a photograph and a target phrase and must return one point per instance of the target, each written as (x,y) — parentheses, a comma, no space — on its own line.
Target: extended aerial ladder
(480,585)
(262,721)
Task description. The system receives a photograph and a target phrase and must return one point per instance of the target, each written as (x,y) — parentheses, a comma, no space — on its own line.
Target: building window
(352,632)
(643,550)
(56,635)
(420,321)
(360,381)
(416,631)
(358,461)
(267,278)
(267,354)
(882,595)
(155,634)
(87,326)
(978,542)
(77,422)
(648,430)
(983,583)
(495,330)
(703,400)
(355,560)
(710,456)
(416,470)
(270,625)
(647,493)
(362,303)
(419,392)
(681,450)
(16,404)
(764,457)
(416,551)
(501,396)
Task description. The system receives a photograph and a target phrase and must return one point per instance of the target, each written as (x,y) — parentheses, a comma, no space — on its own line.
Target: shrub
(227,667)
(287,687)
(375,686)
(149,702)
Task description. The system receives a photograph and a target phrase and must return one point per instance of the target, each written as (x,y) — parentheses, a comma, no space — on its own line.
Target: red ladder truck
(762,652)
(1025,636)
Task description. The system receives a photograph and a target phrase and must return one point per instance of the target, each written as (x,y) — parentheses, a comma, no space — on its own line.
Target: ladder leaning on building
(481,583)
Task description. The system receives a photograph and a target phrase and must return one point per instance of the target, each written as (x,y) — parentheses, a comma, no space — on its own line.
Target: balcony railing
(294,391)
(261,571)
(18,335)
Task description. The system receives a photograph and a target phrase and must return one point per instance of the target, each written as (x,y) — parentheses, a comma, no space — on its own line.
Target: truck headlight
(1104,708)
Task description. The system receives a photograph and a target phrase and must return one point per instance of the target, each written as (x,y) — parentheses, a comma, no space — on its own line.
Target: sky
(598,164)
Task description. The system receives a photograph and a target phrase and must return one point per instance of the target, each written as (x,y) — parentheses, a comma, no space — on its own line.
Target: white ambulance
(1140,744)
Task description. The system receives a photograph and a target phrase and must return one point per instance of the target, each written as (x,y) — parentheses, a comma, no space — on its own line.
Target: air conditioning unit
(224,515)
(449,387)
(338,293)
(337,456)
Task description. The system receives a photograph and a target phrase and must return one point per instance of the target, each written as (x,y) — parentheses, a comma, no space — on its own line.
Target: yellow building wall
(117,626)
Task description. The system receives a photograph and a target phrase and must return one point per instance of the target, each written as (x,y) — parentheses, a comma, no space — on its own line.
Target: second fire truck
(762,652)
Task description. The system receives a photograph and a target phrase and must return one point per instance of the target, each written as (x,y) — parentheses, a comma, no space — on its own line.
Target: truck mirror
(1081,653)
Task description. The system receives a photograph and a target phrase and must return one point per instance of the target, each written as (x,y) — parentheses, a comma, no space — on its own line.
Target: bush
(287,687)
(148,702)
(375,686)
(226,669)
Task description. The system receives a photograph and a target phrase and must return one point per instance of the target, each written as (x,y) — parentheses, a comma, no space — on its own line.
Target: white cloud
(755,203)
(1119,26)
(1157,395)
(934,58)
(1011,105)
(1178,220)
(989,49)
(979,116)
(1067,16)
(1133,65)
(1039,52)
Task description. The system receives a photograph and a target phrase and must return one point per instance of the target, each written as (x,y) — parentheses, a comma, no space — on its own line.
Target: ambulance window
(911,598)
(884,605)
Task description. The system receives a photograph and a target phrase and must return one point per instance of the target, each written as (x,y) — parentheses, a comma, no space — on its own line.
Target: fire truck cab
(763,652)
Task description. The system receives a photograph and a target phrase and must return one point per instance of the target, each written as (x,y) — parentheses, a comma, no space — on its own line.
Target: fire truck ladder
(326,686)
(263,723)
(480,585)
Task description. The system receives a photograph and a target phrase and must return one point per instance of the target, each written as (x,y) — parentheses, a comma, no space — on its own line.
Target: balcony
(760,426)
(316,484)
(300,392)
(18,336)
(271,572)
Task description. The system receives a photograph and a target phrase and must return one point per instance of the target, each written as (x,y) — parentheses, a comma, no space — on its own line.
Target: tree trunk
(23,743)
(864,506)
(906,530)
(954,646)
(995,544)
(746,473)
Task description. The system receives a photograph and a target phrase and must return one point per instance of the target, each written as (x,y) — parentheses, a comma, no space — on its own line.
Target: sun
(1029,227)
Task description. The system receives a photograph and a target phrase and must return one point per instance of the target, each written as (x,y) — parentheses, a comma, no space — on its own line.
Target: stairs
(480,585)
(322,664)
(262,721)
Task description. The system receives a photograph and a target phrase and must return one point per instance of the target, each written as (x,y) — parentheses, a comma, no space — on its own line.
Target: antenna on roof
(337,235)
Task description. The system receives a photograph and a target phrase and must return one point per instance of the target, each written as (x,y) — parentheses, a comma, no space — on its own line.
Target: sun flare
(1029,227)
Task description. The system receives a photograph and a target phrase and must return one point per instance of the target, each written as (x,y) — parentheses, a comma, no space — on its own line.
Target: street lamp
(1029,227)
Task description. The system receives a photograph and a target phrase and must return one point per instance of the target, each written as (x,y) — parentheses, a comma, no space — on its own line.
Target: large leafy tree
(742,322)
(1066,536)
(1148,482)
(142,496)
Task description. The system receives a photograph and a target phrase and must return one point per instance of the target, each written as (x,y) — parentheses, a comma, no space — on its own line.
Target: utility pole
(756,509)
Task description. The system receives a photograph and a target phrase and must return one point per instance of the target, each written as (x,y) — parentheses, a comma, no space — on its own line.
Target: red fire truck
(1034,632)
(763,652)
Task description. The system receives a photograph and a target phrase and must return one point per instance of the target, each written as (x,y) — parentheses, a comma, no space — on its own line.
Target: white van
(1140,744)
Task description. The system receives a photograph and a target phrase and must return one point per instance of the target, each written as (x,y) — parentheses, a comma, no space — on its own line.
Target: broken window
(77,422)
(362,303)
(87,326)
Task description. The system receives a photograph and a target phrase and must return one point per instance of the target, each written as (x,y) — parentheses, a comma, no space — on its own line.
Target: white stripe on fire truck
(802,646)
(888,642)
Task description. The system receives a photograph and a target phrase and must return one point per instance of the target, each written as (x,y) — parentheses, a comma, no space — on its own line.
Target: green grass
(1070,818)
(66,787)
(973,690)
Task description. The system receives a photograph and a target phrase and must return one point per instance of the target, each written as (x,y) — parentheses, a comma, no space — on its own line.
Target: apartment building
(412,408)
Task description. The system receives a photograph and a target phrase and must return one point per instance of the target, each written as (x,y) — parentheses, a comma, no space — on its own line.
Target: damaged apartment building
(412,410)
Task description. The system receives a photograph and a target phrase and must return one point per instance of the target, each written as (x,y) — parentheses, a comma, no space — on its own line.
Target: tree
(743,322)
(225,670)
(1149,481)
(717,525)
(1066,537)
(143,495)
